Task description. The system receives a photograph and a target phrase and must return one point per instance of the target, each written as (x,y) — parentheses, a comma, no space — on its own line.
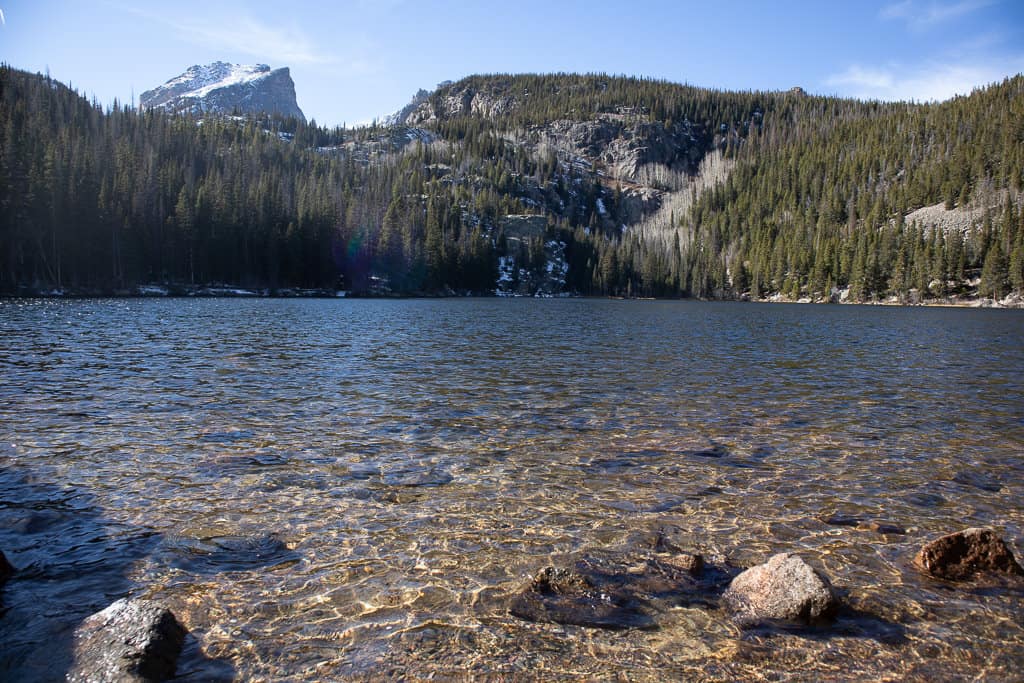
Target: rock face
(400,117)
(622,145)
(424,109)
(961,555)
(223,88)
(132,640)
(786,588)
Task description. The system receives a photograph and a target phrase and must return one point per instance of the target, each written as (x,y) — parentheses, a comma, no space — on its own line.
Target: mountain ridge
(225,88)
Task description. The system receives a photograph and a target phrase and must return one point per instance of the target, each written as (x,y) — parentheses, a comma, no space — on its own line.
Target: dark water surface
(337,489)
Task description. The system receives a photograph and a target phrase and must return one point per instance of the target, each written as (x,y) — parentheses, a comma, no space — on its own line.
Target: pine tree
(994,273)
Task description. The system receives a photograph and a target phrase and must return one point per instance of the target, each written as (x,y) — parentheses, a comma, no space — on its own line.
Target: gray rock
(524,226)
(621,142)
(621,145)
(131,640)
(786,588)
(961,555)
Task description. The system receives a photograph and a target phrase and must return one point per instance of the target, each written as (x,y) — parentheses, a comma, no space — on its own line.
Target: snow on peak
(224,87)
(198,81)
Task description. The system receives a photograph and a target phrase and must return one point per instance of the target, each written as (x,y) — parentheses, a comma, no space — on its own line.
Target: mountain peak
(222,87)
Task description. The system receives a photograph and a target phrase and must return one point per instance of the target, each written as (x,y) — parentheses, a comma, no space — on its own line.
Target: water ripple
(350,489)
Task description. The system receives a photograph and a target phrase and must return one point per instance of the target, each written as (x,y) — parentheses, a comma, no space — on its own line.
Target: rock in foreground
(961,555)
(131,640)
(785,587)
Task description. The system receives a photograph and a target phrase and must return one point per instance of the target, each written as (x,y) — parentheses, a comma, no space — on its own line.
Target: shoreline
(220,291)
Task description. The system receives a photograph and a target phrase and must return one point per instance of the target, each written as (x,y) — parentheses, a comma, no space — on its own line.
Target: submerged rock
(619,592)
(417,476)
(882,527)
(6,570)
(715,451)
(961,555)
(558,580)
(978,480)
(131,640)
(244,552)
(565,596)
(841,520)
(692,564)
(862,524)
(786,588)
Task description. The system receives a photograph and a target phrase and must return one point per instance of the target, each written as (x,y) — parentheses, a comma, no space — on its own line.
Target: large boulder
(131,640)
(961,555)
(786,588)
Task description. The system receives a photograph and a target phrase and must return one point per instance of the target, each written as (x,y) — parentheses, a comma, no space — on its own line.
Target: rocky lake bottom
(451,489)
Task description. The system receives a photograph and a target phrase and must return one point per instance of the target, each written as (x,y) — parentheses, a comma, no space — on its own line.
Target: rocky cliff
(225,88)
(653,163)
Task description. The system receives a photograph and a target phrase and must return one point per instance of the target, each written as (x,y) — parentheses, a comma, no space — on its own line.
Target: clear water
(345,489)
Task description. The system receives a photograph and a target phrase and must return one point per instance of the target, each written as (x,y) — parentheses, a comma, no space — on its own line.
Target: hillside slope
(584,184)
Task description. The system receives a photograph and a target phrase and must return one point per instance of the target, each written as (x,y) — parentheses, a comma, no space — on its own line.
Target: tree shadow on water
(70,562)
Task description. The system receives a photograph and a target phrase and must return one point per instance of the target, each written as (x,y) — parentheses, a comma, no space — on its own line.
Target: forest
(102,199)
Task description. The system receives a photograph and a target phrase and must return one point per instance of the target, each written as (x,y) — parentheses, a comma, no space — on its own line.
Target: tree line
(101,199)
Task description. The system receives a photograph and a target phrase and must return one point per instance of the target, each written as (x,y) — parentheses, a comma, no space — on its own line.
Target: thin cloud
(897,10)
(245,35)
(930,83)
(919,16)
(286,46)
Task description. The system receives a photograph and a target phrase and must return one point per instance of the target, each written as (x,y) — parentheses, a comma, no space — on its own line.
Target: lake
(357,489)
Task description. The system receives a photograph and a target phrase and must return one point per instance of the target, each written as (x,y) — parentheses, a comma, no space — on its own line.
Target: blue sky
(357,59)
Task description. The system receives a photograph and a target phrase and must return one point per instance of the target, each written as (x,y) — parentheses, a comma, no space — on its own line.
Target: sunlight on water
(358,489)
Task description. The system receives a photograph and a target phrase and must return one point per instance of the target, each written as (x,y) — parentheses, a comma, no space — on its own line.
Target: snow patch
(199,81)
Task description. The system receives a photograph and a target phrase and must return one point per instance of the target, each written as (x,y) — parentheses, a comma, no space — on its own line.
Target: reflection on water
(357,489)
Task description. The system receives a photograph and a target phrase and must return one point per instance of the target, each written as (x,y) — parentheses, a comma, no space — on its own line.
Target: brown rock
(565,596)
(692,564)
(558,580)
(961,555)
(881,527)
